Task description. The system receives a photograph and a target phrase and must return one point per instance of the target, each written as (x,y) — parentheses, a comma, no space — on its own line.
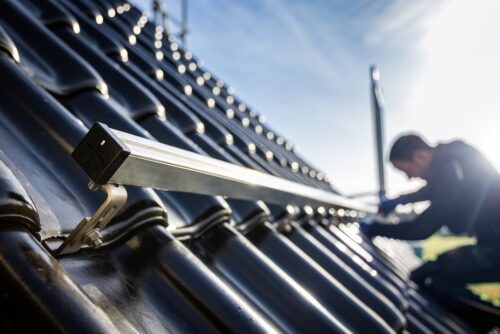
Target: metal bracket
(88,231)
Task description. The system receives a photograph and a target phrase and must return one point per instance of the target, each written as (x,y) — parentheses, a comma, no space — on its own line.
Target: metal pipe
(378,109)
(184,29)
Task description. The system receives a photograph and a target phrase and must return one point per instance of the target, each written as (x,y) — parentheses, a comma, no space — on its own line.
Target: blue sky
(304,65)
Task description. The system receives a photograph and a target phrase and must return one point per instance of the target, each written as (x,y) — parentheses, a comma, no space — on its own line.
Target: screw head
(93,238)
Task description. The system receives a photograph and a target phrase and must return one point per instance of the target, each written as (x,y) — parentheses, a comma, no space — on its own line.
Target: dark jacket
(464,191)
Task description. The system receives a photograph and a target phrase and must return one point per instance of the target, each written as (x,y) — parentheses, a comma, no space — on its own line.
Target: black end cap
(100,153)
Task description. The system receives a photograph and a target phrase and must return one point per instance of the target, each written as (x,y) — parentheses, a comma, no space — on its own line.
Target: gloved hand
(388,205)
(364,227)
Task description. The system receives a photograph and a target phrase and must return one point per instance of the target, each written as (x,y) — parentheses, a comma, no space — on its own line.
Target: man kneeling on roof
(464,193)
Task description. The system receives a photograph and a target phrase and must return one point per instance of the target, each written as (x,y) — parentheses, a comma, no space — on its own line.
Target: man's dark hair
(404,146)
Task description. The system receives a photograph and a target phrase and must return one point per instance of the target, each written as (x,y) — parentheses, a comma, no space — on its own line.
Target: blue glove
(364,227)
(388,205)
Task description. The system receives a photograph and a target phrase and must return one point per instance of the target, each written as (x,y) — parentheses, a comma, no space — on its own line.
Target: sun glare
(457,91)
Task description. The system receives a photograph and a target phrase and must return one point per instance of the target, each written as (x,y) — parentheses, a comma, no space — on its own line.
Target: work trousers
(461,266)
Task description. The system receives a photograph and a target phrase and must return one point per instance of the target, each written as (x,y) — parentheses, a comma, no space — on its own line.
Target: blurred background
(305,66)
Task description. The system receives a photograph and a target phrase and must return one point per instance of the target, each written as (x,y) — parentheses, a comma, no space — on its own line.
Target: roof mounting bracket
(87,232)
(112,158)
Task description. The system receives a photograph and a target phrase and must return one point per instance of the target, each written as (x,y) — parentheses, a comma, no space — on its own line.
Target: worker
(463,189)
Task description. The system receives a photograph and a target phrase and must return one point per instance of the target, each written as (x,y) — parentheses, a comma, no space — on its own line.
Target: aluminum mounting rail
(112,159)
(112,156)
